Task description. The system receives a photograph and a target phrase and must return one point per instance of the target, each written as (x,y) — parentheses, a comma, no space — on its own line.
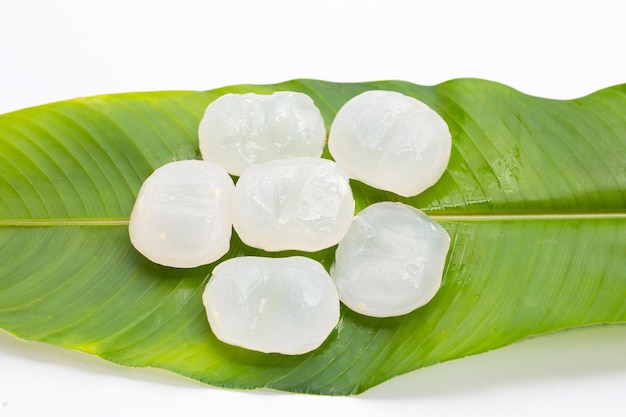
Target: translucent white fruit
(239,130)
(391,260)
(182,214)
(283,305)
(390,141)
(301,203)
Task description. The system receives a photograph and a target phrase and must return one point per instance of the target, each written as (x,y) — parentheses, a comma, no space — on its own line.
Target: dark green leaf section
(87,158)
(534,200)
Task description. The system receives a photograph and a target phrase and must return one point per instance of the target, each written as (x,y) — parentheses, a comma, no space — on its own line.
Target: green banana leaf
(534,200)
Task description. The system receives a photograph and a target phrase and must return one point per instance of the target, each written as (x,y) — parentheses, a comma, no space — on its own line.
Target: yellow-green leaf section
(534,199)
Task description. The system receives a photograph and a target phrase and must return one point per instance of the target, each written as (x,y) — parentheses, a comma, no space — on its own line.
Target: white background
(54,50)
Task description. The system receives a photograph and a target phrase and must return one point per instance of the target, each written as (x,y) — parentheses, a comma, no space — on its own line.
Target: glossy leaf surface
(534,200)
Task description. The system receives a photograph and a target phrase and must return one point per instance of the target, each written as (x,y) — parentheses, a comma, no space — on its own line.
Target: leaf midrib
(441,217)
